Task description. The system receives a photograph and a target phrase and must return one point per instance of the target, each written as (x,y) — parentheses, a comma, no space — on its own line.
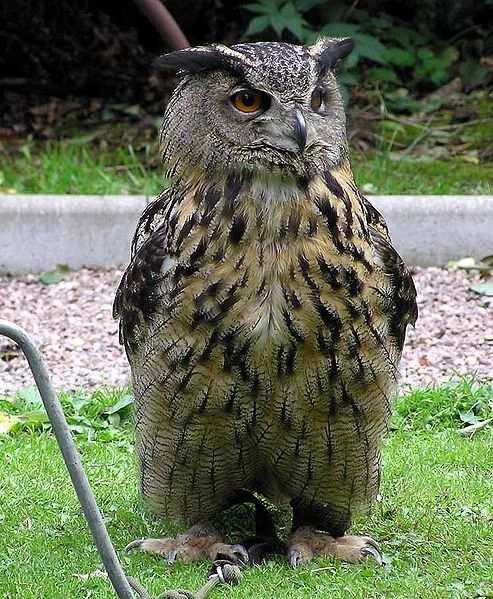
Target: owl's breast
(264,305)
(282,292)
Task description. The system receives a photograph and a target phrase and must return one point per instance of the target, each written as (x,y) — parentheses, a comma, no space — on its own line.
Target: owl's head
(264,107)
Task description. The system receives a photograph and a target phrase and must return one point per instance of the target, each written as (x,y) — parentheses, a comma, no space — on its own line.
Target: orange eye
(247,100)
(317,98)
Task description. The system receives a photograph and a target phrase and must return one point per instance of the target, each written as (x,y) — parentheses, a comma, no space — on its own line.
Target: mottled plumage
(264,309)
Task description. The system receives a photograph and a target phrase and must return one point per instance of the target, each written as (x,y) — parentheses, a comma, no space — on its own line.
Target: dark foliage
(60,57)
(84,49)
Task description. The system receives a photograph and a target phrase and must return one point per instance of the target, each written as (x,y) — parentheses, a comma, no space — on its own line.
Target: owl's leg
(200,542)
(266,544)
(324,536)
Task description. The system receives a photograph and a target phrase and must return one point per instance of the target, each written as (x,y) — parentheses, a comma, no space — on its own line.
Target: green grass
(65,168)
(435,520)
(439,177)
(71,168)
(451,405)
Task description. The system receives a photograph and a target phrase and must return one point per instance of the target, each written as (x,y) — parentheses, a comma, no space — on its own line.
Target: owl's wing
(151,253)
(400,294)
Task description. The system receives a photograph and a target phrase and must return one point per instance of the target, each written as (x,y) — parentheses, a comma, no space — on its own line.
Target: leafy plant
(395,52)
(279,16)
(101,414)
(54,276)
(454,405)
(435,67)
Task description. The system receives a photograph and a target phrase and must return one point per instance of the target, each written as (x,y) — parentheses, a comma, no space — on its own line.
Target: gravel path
(71,322)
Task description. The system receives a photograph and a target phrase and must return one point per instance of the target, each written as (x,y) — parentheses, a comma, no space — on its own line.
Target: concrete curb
(37,232)
(433,230)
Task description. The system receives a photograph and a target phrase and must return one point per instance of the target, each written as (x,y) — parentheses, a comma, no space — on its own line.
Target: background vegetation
(79,75)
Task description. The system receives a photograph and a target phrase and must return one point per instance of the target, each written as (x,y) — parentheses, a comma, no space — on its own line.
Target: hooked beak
(300,129)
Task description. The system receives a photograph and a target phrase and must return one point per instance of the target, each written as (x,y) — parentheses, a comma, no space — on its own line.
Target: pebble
(71,322)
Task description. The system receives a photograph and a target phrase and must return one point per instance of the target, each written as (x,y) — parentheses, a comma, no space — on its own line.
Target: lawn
(72,168)
(434,522)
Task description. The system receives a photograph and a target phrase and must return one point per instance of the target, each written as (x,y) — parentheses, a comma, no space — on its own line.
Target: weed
(451,405)
(102,415)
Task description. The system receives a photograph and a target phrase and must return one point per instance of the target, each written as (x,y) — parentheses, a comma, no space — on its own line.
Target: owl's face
(270,108)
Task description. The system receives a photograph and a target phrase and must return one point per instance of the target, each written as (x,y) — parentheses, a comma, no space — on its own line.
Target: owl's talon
(300,554)
(133,545)
(372,550)
(310,542)
(200,542)
(160,546)
(295,558)
(171,557)
(241,553)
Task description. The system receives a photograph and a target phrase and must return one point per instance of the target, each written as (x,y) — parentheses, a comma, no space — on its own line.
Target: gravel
(72,324)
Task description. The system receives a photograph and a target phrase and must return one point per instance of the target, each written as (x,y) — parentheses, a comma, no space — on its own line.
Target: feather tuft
(191,61)
(329,52)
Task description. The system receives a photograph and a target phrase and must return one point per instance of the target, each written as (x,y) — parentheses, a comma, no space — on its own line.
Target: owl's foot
(201,542)
(306,543)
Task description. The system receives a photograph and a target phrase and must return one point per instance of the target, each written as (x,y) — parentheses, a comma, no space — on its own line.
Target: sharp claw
(372,543)
(295,559)
(242,552)
(171,556)
(375,553)
(134,545)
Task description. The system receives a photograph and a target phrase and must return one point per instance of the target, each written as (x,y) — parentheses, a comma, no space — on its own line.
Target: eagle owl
(264,309)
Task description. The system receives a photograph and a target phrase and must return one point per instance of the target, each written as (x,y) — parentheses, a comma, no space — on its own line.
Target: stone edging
(37,232)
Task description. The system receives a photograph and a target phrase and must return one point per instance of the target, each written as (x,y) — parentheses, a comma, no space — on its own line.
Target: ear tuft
(191,61)
(328,52)
(188,60)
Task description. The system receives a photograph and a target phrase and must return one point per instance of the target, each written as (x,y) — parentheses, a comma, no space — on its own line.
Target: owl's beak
(300,129)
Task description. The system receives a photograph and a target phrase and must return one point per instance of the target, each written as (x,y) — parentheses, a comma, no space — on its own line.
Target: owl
(264,309)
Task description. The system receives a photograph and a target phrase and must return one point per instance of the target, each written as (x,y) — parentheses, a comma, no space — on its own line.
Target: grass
(70,168)
(64,168)
(435,519)
(435,177)
(451,405)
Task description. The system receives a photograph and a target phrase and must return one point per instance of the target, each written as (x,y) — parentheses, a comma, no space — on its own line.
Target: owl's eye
(248,100)
(317,98)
